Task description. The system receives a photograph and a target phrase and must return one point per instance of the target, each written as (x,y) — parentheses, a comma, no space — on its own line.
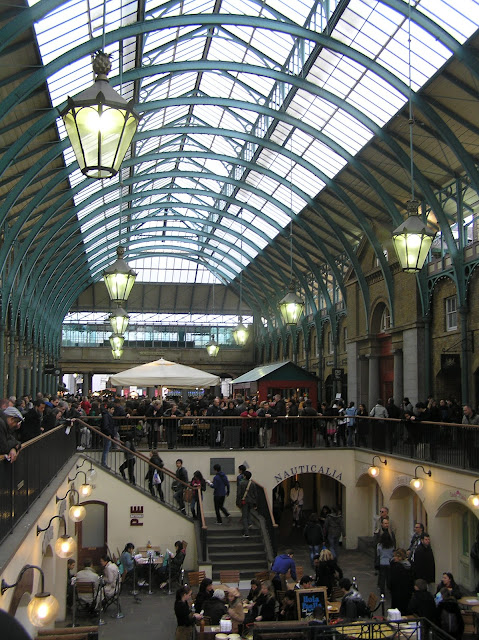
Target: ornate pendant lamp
(116,353)
(116,341)
(119,278)
(413,238)
(240,333)
(100,124)
(119,320)
(212,347)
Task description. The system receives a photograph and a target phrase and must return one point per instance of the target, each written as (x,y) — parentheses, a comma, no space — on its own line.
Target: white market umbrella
(165,374)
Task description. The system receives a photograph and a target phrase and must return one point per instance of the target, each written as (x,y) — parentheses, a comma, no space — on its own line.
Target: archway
(405,509)
(458,526)
(319,490)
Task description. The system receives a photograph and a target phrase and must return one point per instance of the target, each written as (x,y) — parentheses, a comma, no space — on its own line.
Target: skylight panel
(459,19)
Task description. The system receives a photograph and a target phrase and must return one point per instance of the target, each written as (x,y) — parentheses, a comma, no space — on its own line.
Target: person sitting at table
(450,584)
(422,602)
(288,610)
(449,617)
(185,617)
(128,561)
(205,592)
(265,604)
(235,609)
(306,582)
(352,605)
(174,564)
(252,596)
(215,607)
(110,576)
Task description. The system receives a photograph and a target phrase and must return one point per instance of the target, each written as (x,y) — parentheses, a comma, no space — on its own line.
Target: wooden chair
(263,575)
(195,578)
(85,595)
(337,594)
(230,577)
(299,572)
(187,431)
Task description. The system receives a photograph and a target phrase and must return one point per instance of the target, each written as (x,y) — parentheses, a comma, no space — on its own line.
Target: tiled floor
(153,618)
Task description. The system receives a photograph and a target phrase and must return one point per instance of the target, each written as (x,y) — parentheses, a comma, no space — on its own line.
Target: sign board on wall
(136,513)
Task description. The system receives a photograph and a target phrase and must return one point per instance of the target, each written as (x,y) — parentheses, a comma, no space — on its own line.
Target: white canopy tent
(163,373)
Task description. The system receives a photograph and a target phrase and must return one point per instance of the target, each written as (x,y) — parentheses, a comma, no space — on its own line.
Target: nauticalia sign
(308,468)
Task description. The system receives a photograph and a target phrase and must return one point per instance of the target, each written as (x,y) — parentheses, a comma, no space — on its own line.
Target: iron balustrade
(22,481)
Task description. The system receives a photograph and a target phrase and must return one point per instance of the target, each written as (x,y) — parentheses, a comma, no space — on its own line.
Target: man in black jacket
(423,562)
(10,420)
(108,428)
(182,475)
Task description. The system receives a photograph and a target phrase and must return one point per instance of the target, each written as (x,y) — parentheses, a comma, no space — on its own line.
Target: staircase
(228,550)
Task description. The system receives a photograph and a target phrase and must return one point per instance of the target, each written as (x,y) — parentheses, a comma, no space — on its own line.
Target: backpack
(448,622)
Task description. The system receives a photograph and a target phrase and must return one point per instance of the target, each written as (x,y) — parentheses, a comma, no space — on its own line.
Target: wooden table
(468,602)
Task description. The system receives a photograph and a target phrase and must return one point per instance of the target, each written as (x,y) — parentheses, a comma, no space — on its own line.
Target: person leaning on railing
(10,421)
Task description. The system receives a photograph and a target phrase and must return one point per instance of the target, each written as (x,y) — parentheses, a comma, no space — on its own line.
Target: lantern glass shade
(412,241)
(291,306)
(116,353)
(119,278)
(100,124)
(474,500)
(43,609)
(65,547)
(373,471)
(77,513)
(212,348)
(417,484)
(116,342)
(240,334)
(85,490)
(91,474)
(119,320)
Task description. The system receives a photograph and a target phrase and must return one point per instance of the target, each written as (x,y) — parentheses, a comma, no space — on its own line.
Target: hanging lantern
(412,240)
(212,348)
(291,306)
(116,353)
(116,341)
(100,124)
(240,334)
(119,320)
(119,278)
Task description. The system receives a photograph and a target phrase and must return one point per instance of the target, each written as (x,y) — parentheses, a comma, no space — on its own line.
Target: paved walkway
(153,618)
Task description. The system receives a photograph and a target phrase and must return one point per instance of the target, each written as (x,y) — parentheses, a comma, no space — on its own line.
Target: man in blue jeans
(221,486)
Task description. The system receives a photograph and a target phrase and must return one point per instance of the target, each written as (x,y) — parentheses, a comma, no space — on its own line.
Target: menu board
(308,599)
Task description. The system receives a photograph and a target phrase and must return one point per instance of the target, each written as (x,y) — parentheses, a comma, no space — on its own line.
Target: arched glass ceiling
(225,129)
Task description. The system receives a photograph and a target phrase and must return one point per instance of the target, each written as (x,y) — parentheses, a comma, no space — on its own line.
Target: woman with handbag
(155,478)
(198,483)
(247,500)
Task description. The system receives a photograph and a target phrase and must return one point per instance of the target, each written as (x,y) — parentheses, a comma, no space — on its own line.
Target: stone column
(398,387)
(373,381)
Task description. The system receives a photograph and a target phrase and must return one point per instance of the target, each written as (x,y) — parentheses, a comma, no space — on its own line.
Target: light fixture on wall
(291,306)
(77,512)
(43,607)
(119,320)
(474,497)
(65,546)
(100,124)
(86,488)
(91,472)
(412,239)
(417,483)
(373,469)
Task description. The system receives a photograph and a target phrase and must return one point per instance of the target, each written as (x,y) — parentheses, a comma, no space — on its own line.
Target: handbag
(188,494)
(156,477)
(243,499)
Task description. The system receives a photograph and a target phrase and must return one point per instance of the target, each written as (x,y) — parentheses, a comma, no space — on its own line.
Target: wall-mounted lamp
(85,488)
(43,607)
(91,472)
(474,497)
(417,483)
(373,470)
(77,512)
(65,546)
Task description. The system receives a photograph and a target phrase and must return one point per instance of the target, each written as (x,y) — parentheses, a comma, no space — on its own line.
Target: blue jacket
(221,484)
(282,563)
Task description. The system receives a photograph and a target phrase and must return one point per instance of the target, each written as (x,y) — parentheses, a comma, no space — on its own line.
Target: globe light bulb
(373,472)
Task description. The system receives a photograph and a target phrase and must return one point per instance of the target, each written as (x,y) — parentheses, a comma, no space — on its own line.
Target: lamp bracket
(419,466)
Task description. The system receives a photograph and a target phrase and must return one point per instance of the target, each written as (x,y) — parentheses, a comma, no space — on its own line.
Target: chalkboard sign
(308,599)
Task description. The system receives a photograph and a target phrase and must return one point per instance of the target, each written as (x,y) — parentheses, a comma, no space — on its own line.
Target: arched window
(385,321)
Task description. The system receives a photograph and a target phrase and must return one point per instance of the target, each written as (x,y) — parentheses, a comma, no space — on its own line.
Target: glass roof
(208,184)
(164,319)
